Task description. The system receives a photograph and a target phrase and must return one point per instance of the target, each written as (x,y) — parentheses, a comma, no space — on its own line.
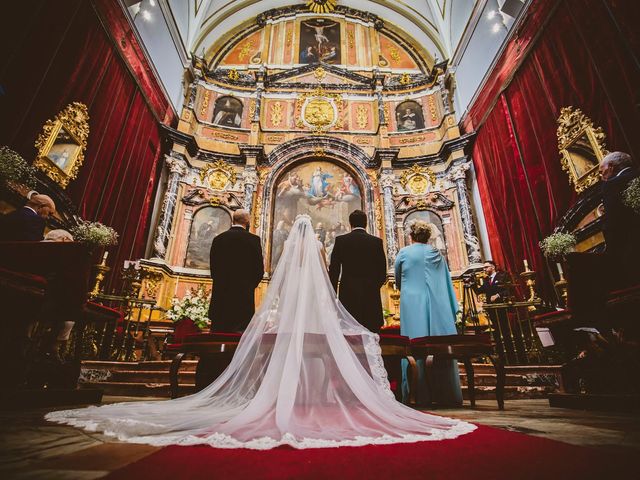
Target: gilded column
(458,175)
(387,180)
(177,169)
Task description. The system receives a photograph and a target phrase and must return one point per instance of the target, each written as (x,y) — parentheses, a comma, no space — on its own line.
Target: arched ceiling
(433,24)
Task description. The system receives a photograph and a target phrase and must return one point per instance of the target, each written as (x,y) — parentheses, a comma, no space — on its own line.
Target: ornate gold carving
(233,74)
(204,106)
(417,179)
(373,179)
(62,143)
(262,175)
(405,79)
(246,48)
(288,39)
(257,212)
(252,109)
(218,175)
(378,205)
(276,114)
(362,116)
(319,110)
(319,152)
(151,283)
(319,73)
(582,148)
(321,6)
(350,39)
(433,111)
(394,54)
(385,110)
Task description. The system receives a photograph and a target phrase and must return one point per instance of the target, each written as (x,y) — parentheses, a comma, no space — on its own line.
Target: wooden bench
(458,347)
(219,347)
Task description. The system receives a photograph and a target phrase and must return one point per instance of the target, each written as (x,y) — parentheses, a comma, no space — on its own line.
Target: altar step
(151,379)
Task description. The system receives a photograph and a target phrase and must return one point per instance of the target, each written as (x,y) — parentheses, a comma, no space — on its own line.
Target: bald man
(621,226)
(27,223)
(236,270)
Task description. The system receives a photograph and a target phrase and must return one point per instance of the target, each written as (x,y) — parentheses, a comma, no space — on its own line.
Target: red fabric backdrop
(586,57)
(78,50)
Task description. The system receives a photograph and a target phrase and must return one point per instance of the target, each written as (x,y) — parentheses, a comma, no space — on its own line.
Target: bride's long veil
(305,374)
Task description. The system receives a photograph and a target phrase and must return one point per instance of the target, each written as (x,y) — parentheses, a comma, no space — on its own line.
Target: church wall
(61,52)
(586,58)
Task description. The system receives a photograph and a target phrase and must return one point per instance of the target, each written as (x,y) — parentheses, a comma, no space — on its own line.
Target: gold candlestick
(562,286)
(101,270)
(393,321)
(529,277)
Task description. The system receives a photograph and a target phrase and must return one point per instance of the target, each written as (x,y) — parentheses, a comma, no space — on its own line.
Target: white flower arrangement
(14,168)
(558,245)
(631,195)
(194,305)
(94,233)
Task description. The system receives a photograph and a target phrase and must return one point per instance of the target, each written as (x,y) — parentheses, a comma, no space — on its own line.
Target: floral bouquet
(557,245)
(631,195)
(15,169)
(194,305)
(95,234)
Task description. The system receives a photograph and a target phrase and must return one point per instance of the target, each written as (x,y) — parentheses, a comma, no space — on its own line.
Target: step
(150,376)
(130,389)
(510,392)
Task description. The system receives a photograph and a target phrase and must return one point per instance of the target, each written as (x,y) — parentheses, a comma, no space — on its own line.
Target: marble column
(387,181)
(458,175)
(177,169)
(250,178)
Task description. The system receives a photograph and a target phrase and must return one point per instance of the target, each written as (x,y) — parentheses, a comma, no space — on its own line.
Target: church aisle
(35,449)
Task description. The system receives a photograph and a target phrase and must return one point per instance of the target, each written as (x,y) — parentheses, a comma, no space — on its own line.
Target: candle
(104,257)
(394,286)
(560,270)
(175,292)
(526,265)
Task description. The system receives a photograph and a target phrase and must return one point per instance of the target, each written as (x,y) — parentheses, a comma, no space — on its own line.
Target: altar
(269,128)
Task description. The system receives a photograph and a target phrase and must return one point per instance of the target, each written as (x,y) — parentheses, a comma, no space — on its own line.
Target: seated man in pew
(27,223)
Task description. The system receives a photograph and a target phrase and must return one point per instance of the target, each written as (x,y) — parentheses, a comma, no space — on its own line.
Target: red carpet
(484,454)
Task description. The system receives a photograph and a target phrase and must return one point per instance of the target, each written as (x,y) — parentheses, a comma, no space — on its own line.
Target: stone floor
(31,448)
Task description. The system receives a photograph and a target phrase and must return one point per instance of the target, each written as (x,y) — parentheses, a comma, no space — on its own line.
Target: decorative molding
(218,175)
(417,179)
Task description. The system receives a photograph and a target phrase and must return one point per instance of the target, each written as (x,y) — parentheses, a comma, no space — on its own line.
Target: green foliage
(14,168)
(94,233)
(558,245)
(631,195)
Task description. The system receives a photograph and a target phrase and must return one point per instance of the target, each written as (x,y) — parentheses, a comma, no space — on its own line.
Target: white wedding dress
(305,374)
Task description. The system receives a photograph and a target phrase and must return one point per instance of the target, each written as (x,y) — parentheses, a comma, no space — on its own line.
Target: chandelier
(322,6)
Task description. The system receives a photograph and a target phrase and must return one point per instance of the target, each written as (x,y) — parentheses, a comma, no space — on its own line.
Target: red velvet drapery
(77,50)
(582,57)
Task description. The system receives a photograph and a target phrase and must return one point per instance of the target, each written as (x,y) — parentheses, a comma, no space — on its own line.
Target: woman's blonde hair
(419,231)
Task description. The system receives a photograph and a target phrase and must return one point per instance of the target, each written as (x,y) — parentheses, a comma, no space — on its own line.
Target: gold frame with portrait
(62,143)
(581,146)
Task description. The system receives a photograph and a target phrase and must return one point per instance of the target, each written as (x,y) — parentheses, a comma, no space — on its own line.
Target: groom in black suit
(236,270)
(358,260)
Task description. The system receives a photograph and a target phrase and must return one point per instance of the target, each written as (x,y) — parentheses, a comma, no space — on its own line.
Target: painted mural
(437,239)
(409,116)
(323,190)
(207,223)
(228,112)
(319,41)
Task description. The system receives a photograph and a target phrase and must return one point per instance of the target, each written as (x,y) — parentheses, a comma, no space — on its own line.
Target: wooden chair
(458,347)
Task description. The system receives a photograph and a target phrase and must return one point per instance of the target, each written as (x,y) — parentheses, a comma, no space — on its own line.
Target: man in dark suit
(236,270)
(358,261)
(27,224)
(494,287)
(621,226)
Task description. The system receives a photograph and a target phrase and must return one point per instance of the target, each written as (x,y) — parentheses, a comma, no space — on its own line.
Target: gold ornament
(362,116)
(394,54)
(62,143)
(319,110)
(405,79)
(322,6)
(246,48)
(417,179)
(276,114)
(233,74)
(319,73)
(218,175)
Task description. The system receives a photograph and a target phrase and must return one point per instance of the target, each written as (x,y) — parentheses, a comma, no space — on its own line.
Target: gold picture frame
(581,146)
(62,143)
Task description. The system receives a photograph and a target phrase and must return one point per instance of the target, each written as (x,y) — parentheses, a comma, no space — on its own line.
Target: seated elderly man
(27,224)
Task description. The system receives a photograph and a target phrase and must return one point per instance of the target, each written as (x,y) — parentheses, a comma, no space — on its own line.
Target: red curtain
(581,59)
(81,51)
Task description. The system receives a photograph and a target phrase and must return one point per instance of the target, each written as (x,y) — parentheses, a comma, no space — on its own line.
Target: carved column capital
(176,165)
(387,179)
(458,172)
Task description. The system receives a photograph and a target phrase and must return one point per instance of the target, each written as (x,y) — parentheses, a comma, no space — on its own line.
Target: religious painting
(437,239)
(208,222)
(319,41)
(63,151)
(323,190)
(409,116)
(228,112)
(582,156)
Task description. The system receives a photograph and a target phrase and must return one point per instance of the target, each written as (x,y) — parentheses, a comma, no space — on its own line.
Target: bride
(305,374)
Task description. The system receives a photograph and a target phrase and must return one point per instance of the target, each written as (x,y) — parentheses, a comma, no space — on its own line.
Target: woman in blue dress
(428,307)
